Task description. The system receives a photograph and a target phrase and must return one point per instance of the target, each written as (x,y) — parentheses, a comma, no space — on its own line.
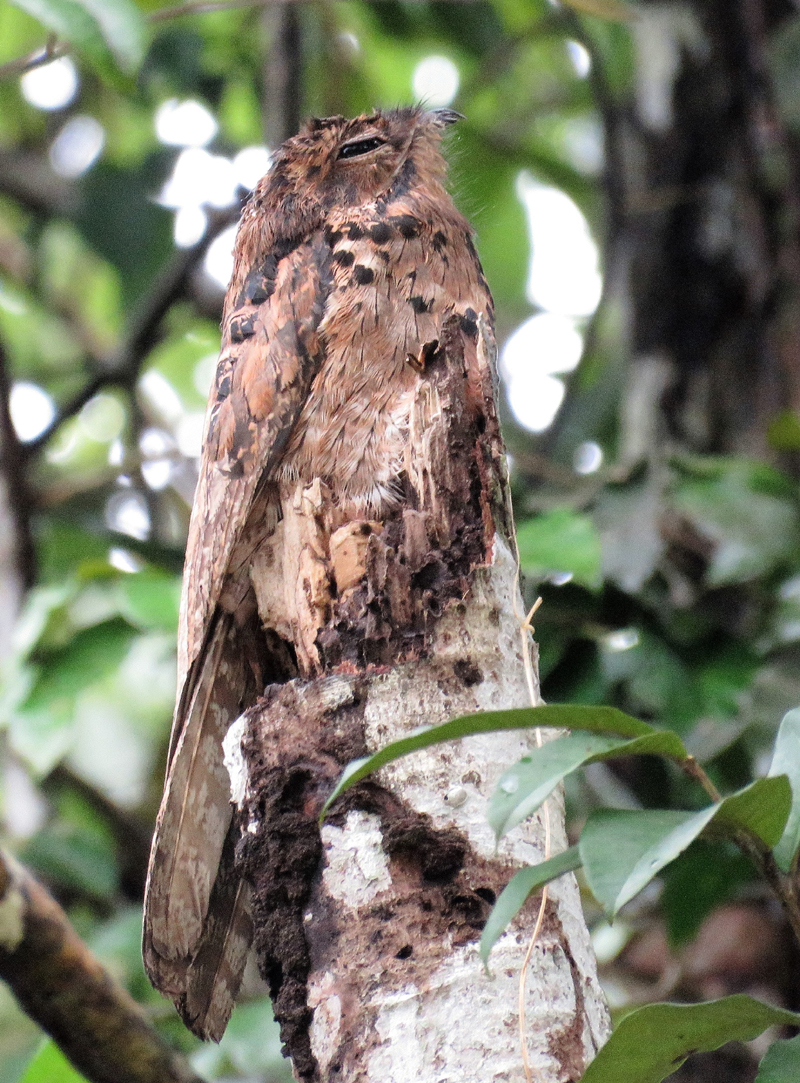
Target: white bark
(450,1021)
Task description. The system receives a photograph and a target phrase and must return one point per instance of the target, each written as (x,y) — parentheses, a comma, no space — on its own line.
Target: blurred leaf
(706,875)
(79,857)
(251,1046)
(70,20)
(783,432)
(523,787)
(98,28)
(123,27)
(560,540)
(628,521)
(652,1042)
(514,895)
(622,850)
(41,724)
(786,761)
(50,1065)
(43,618)
(65,546)
(747,511)
(657,680)
(558,716)
(91,654)
(150,600)
(139,242)
(780,1063)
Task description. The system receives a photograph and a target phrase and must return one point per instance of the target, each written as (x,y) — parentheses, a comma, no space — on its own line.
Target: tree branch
(123,367)
(63,987)
(16,544)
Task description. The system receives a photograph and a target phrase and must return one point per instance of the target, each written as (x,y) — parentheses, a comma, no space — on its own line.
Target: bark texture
(368,930)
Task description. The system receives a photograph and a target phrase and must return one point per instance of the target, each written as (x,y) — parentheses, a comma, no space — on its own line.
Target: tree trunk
(712,225)
(368,930)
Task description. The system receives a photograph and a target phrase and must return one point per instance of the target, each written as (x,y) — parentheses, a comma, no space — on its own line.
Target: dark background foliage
(657,505)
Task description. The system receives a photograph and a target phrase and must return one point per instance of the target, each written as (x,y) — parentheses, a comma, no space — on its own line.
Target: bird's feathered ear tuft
(445,117)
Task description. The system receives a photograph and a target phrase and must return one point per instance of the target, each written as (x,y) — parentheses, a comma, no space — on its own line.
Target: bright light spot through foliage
(77,146)
(435,81)
(31,410)
(199,177)
(545,344)
(51,86)
(579,55)
(250,165)
(184,124)
(219,258)
(563,275)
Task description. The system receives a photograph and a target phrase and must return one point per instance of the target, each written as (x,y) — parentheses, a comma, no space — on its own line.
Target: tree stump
(367,930)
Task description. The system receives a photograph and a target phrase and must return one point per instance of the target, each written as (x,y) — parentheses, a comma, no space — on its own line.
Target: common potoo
(349,259)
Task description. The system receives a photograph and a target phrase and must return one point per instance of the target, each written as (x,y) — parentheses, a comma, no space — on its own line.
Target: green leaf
(523,787)
(780,1063)
(520,886)
(560,540)
(786,761)
(707,875)
(50,1065)
(556,716)
(761,808)
(41,721)
(151,599)
(623,850)
(653,1042)
(783,432)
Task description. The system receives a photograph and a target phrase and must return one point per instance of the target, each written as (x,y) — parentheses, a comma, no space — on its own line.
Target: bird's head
(334,160)
(361,159)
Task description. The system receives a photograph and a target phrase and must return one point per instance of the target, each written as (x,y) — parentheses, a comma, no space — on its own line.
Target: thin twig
(695,772)
(202,7)
(51,51)
(764,860)
(526,629)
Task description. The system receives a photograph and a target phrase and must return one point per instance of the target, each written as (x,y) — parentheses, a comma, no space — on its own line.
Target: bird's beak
(444,117)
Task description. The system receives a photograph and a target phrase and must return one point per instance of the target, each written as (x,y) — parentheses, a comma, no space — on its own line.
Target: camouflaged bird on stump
(348,576)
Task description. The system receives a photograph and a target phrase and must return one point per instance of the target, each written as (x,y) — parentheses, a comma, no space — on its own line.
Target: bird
(349,258)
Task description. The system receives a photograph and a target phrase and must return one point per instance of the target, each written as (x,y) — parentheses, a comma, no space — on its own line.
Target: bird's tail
(197,926)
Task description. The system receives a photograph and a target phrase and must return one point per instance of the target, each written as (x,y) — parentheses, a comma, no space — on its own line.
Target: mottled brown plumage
(349,258)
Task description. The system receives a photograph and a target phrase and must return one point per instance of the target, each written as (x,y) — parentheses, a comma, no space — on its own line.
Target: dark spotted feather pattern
(349,259)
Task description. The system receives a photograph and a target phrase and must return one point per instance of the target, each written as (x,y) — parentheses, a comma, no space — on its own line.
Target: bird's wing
(270,354)
(271,351)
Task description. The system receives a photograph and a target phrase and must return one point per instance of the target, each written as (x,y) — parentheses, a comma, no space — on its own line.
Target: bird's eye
(360,146)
